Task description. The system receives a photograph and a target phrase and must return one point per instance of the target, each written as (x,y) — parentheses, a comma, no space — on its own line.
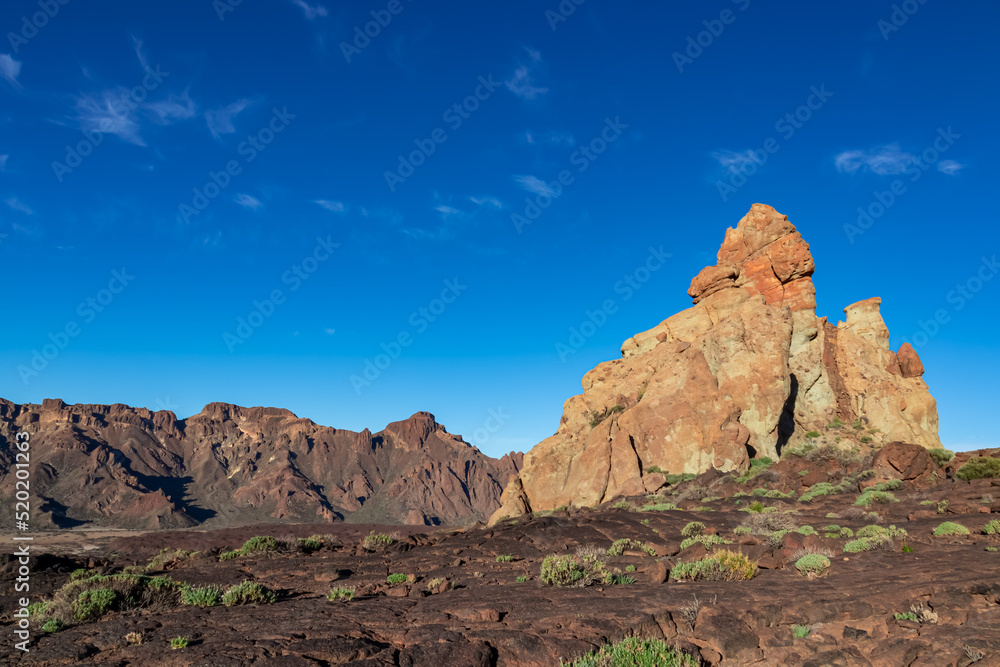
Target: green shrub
(873,496)
(723,565)
(825,489)
(93,604)
(707,541)
(836,423)
(259,544)
(992,528)
(52,625)
(341,594)
(806,530)
(597,417)
(683,477)
(942,506)
(812,564)
(179,642)
(979,467)
(865,439)
(941,455)
(376,541)
(812,434)
(618,547)
(636,652)
(36,608)
(868,544)
(949,528)
(505,559)
(248,592)
(311,543)
(521,579)
(168,555)
(757,466)
(801,631)
(658,507)
(743,530)
(396,578)
(624,505)
(630,568)
(908,616)
(573,571)
(907,549)
(692,529)
(80,573)
(878,531)
(655,469)
(621,579)
(206,596)
(227,555)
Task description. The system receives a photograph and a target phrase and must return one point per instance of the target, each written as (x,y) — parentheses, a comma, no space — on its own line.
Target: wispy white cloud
(330,331)
(489,202)
(220,121)
(139,53)
(173,109)
(312,12)
(950,167)
(335,206)
(549,138)
(18,205)
(735,162)
(246,201)
(534,185)
(3,162)
(447,211)
(522,82)
(10,69)
(884,160)
(107,113)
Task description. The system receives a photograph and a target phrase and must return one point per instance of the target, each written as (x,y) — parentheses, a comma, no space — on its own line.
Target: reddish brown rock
(129,467)
(899,460)
(909,362)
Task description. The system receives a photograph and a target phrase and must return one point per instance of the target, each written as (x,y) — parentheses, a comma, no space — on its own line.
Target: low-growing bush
(574,571)
(396,578)
(949,528)
(340,594)
(764,524)
(708,541)
(979,467)
(812,564)
(618,547)
(248,592)
(259,544)
(824,489)
(692,529)
(52,625)
(873,530)
(167,556)
(992,528)
(941,455)
(801,631)
(636,652)
(876,543)
(310,544)
(206,596)
(179,642)
(376,541)
(505,559)
(722,565)
(873,496)
(658,507)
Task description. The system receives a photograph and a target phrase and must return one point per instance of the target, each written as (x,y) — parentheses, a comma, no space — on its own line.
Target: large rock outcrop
(745,372)
(132,468)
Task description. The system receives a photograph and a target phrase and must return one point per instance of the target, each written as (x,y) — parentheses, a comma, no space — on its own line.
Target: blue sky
(251,202)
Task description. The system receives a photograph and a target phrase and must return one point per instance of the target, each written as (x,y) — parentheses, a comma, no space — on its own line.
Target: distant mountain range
(115,465)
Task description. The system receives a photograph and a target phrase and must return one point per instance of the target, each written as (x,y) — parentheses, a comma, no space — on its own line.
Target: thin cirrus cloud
(549,138)
(247,201)
(735,162)
(885,160)
(335,206)
(3,162)
(487,201)
(10,69)
(17,205)
(950,167)
(311,12)
(522,82)
(534,185)
(220,121)
(106,113)
(173,109)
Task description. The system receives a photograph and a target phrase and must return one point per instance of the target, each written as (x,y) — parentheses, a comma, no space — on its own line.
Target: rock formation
(132,468)
(745,372)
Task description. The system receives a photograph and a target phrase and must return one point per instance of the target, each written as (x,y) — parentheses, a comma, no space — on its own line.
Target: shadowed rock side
(130,467)
(748,370)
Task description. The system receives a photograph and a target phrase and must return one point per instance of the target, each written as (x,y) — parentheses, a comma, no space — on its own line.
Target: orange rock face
(747,371)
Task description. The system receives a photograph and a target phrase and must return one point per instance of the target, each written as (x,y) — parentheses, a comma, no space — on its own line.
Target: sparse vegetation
(801,631)
(574,571)
(376,541)
(340,594)
(248,592)
(521,579)
(875,543)
(52,625)
(692,529)
(979,467)
(708,541)
(618,547)
(722,565)
(205,596)
(812,434)
(636,652)
(658,507)
(950,528)
(597,417)
(505,559)
(396,578)
(166,557)
(179,642)
(992,528)
(812,564)
(941,455)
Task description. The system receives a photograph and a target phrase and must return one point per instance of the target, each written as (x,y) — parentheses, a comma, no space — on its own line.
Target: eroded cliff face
(132,468)
(745,372)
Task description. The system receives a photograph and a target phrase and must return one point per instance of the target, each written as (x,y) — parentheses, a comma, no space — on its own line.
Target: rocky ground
(914,599)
